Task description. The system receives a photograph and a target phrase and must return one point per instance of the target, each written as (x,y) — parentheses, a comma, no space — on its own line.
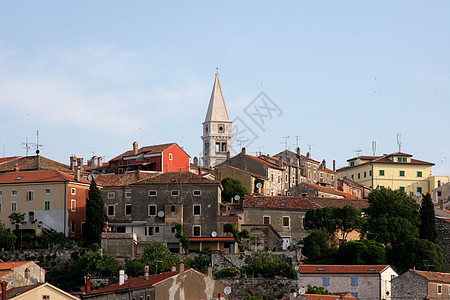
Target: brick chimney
(308,154)
(173,268)
(209,271)
(243,151)
(73,161)
(4,284)
(298,151)
(334,165)
(80,162)
(324,163)
(181,268)
(135,148)
(146,272)
(88,284)
(77,173)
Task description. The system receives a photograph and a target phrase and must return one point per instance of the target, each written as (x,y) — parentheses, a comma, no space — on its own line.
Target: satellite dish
(13,282)
(259,185)
(214,233)
(417,194)
(161,213)
(302,291)
(227,290)
(89,177)
(237,197)
(296,268)
(358,161)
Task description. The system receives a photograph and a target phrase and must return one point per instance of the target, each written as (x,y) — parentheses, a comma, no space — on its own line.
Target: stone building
(21,273)
(307,189)
(415,284)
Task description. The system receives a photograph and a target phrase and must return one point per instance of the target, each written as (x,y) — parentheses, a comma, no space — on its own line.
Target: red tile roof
(385,160)
(340,202)
(5,159)
(330,190)
(211,239)
(341,269)
(327,297)
(10,265)
(38,176)
(31,163)
(279,202)
(146,150)
(176,177)
(433,276)
(121,179)
(265,162)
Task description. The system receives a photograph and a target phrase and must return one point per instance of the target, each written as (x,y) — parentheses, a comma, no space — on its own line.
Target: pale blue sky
(94,76)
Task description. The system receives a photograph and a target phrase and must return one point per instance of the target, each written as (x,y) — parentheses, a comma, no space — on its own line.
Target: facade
(415,284)
(307,189)
(49,199)
(442,195)
(396,171)
(22,273)
(38,291)
(217,129)
(182,284)
(157,158)
(248,179)
(259,167)
(284,214)
(354,188)
(363,281)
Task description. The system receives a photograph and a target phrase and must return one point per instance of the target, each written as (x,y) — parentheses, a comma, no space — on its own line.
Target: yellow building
(396,171)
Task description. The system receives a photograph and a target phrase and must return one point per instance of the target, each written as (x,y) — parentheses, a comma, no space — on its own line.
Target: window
(359,175)
(354,281)
(152,193)
(321,175)
(170,156)
(47,191)
(332,177)
(355,294)
(128,209)
(30,195)
(399,159)
(111,195)
(197,193)
(111,210)
(405,159)
(353,177)
(0,207)
(352,163)
(287,178)
(14,192)
(47,205)
(45,297)
(1,193)
(174,229)
(152,210)
(419,173)
(13,206)
(197,229)
(401,173)
(370,172)
(72,226)
(419,189)
(73,205)
(381,172)
(174,193)
(31,216)
(127,194)
(286,221)
(173,208)
(365,174)
(197,209)
(221,128)
(266,220)
(325,281)
(439,289)
(402,188)
(217,147)
(73,191)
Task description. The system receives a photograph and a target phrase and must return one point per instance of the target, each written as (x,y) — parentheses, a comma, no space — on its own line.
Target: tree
(95,215)
(182,238)
(266,265)
(363,252)
(392,216)
(312,289)
(326,218)
(6,238)
(319,246)
(238,236)
(231,188)
(350,219)
(419,253)
(427,229)
(17,218)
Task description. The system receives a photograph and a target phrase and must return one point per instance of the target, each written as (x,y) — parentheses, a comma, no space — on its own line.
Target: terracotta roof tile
(38,176)
(121,179)
(9,265)
(6,159)
(340,202)
(176,177)
(30,163)
(341,269)
(327,297)
(279,202)
(434,276)
(265,162)
(147,150)
(327,189)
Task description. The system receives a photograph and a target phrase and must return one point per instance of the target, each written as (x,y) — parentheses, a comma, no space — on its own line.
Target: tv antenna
(285,141)
(358,151)
(240,144)
(374,147)
(297,137)
(27,145)
(399,142)
(259,150)
(309,148)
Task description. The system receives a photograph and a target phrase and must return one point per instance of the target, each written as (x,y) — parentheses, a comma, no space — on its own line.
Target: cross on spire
(217,69)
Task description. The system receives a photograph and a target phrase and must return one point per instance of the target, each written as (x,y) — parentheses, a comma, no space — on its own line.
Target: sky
(94,76)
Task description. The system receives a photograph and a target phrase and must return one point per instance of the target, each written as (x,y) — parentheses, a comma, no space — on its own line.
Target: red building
(157,158)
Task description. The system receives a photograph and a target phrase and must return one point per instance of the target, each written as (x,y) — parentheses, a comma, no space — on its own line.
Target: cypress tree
(95,214)
(427,228)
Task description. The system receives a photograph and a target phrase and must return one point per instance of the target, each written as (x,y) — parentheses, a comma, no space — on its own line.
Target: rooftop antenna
(309,148)
(358,151)
(217,70)
(374,147)
(37,142)
(259,150)
(285,141)
(240,144)
(297,137)
(27,145)
(399,142)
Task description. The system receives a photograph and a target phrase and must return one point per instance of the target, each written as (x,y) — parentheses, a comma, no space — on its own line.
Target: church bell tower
(217,128)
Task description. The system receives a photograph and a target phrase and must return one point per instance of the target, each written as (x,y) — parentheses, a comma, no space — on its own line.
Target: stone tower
(217,128)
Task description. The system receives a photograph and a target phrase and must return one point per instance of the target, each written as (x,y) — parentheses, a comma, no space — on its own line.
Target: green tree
(427,228)
(95,215)
(419,253)
(320,246)
(6,238)
(327,218)
(350,219)
(231,188)
(182,238)
(238,236)
(198,262)
(17,219)
(363,252)
(229,272)
(266,265)
(392,216)
(312,289)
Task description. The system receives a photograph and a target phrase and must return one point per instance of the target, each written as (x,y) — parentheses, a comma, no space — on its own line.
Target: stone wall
(223,260)
(275,288)
(443,240)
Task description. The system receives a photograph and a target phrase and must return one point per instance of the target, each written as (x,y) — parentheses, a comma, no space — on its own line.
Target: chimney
(298,151)
(199,171)
(80,163)
(137,175)
(209,271)
(135,148)
(292,294)
(243,151)
(173,268)
(146,272)
(334,165)
(228,155)
(324,163)
(4,284)
(221,296)
(181,268)
(88,284)
(121,277)
(77,174)
(308,154)
(73,160)
(441,204)
(195,161)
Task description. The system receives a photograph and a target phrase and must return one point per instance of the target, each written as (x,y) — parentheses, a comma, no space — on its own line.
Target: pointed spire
(217,109)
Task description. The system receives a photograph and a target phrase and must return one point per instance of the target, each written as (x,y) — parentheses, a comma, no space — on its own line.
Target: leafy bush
(266,265)
(199,263)
(230,272)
